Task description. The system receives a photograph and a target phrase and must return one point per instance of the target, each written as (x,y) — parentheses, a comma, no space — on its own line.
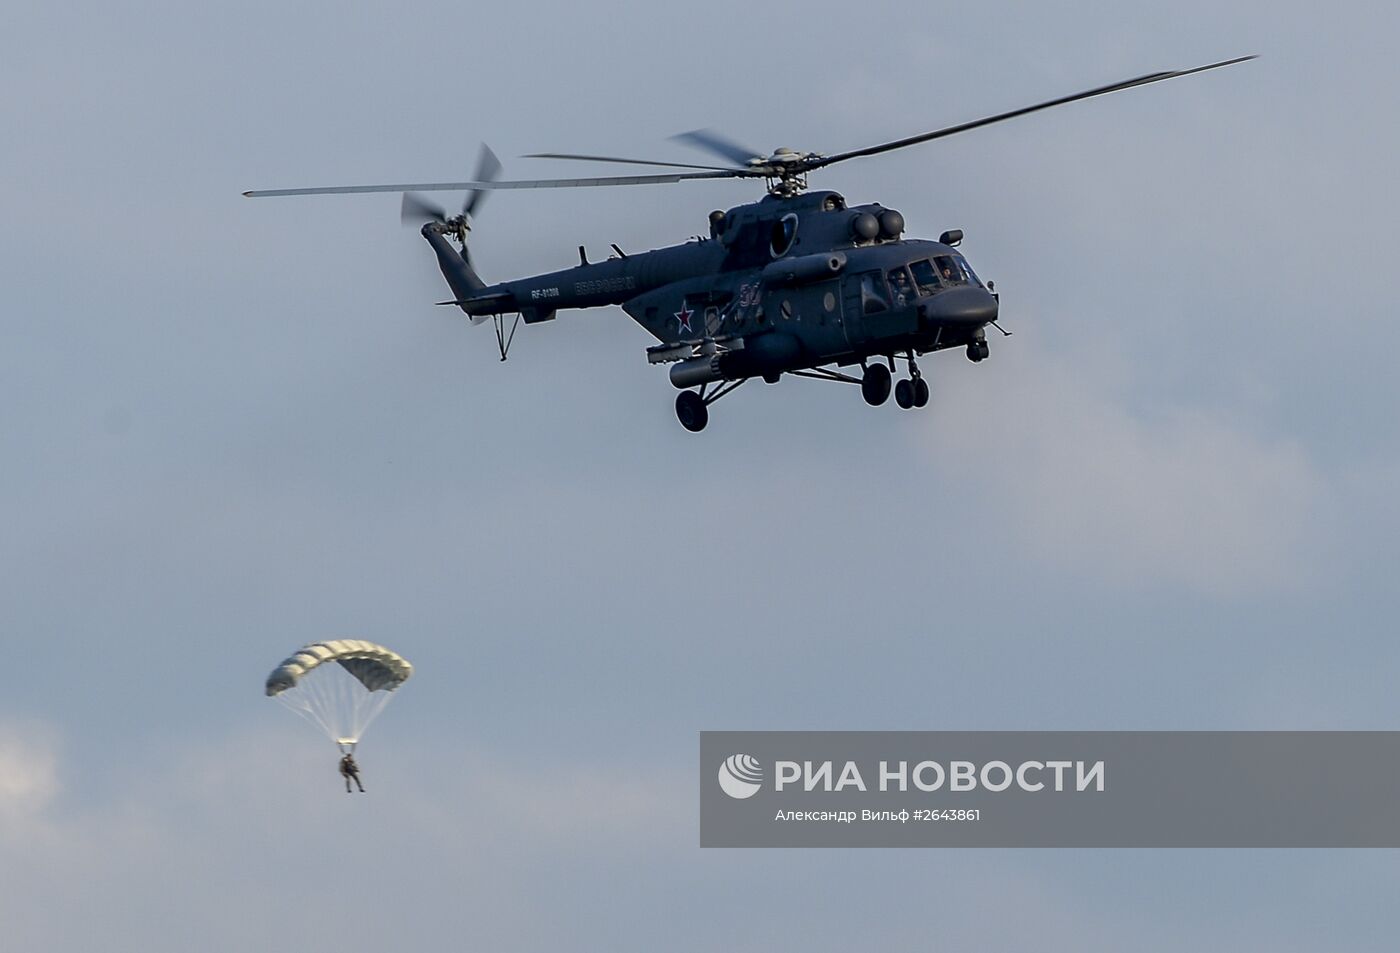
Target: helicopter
(799,283)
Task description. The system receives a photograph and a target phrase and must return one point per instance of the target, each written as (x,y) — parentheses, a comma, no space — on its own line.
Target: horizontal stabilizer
(504,299)
(500,298)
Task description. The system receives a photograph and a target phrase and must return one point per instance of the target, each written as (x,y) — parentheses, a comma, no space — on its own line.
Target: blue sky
(236,426)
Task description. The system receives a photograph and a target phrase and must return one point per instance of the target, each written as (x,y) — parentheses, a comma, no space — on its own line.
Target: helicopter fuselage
(783,284)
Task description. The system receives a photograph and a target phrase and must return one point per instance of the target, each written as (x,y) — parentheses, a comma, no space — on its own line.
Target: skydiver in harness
(349,769)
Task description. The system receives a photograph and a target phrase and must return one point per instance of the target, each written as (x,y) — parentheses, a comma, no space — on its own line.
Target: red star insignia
(683,318)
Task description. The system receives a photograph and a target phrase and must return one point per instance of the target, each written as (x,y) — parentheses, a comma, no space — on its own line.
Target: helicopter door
(865,301)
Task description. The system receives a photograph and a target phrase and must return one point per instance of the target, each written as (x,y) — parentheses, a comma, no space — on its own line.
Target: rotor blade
(715,144)
(674,165)
(488,167)
(494,186)
(977,123)
(415,211)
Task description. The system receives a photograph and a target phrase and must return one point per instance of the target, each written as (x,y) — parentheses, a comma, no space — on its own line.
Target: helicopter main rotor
(784,170)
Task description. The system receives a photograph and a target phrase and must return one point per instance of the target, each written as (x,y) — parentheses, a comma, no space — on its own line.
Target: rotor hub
(455,228)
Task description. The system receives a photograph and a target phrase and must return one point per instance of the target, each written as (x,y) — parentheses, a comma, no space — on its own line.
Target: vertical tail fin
(456,266)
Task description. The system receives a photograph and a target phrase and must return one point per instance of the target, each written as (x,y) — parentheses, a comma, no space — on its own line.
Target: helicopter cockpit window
(872,293)
(784,231)
(954,270)
(967,270)
(925,278)
(900,286)
(949,271)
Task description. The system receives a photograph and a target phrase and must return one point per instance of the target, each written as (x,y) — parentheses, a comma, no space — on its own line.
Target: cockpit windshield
(954,270)
(925,277)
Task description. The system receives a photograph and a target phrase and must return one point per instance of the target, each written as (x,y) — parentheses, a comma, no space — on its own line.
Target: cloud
(178,848)
(28,774)
(246,842)
(1180,496)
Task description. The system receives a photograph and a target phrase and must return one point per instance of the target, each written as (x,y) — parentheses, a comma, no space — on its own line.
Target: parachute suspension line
(339,685)
(335,702)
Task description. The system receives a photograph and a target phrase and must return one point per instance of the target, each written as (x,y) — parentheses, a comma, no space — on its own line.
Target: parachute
(340,699)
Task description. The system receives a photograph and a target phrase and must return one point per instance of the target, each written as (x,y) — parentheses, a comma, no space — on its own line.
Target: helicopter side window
(783,233)
(925,278)
(901,286)
(872,293)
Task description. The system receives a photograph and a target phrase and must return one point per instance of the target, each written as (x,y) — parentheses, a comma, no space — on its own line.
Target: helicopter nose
(962,306)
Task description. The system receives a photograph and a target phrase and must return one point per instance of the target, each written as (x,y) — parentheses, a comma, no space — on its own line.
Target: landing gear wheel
(904,394)
(691,411)
(875,385)
(920,392)
(978,351)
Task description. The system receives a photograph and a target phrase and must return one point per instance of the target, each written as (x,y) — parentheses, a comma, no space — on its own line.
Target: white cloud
(1180,496)
(258,822)
(28,774)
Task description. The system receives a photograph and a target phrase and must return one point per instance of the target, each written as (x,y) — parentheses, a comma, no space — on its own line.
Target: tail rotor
(416,210)
(488,169)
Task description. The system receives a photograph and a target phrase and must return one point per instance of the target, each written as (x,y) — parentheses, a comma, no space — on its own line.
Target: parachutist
(341,699)
(349,769)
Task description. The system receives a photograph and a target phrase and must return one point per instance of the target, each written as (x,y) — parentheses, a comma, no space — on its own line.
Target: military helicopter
(798,283)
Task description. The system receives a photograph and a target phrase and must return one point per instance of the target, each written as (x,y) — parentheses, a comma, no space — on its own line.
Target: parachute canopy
(341,699)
